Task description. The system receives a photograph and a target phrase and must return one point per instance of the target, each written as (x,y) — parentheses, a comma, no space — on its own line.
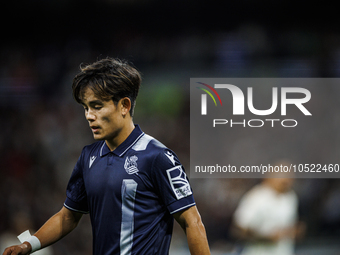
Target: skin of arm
(191,223)
(251,236)
(294,232)
(58,226)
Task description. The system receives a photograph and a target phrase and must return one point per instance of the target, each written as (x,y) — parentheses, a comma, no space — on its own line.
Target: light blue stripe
(182,208)
(70,208)
(129,188)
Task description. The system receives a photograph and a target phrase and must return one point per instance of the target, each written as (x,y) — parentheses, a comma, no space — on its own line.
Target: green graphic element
(208,94)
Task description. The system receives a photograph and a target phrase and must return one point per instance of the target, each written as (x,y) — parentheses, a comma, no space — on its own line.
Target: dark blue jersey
(130,194)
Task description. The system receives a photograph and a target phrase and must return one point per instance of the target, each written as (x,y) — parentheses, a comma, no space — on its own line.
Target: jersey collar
(135,135)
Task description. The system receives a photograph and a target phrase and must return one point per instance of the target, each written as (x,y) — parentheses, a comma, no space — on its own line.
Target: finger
(9,251)
(13,250)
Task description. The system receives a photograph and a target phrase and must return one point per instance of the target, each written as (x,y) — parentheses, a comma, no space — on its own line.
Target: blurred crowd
(44,130)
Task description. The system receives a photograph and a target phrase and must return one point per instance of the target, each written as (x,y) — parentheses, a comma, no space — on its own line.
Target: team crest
(131,164)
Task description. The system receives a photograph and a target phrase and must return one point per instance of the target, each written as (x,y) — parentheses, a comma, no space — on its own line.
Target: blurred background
(43,129)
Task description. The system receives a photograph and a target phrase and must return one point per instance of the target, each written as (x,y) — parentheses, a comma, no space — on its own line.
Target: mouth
(94,129)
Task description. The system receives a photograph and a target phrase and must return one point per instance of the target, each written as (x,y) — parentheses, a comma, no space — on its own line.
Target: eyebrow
(94,102)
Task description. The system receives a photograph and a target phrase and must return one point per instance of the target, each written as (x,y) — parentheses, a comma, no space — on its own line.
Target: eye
(97,107)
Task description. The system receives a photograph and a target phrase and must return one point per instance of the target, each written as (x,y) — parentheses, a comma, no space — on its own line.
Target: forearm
(191,223)
(250,235)
(56,227)
(197,239)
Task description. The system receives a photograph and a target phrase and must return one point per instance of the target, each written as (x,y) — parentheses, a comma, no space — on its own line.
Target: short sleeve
(246,213)
(171,182)
(76,198)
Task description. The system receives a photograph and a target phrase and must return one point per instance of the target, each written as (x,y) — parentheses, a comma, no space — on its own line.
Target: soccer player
(267,219)
(131,185)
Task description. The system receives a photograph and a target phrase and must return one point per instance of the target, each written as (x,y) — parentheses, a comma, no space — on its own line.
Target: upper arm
(188,217)
(170,182)
(76,197)
(250,210)
(69,216)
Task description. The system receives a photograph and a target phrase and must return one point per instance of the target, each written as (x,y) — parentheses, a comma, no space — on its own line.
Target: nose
(90,115)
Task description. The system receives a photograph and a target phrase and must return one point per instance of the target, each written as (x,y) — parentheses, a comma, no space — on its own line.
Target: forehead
(87,95)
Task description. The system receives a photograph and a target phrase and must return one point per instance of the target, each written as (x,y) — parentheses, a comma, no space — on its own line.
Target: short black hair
(109,79)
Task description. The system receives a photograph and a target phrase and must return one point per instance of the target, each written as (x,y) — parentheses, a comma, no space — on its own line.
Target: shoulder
(257,190)
(94,149)
(292,197)
(94,146)
(256,196)
(150,146)
(156,151)
(149,143)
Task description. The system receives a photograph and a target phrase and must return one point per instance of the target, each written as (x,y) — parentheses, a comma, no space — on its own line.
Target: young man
(131,185)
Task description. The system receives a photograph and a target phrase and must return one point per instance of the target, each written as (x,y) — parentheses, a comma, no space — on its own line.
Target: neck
(121,136)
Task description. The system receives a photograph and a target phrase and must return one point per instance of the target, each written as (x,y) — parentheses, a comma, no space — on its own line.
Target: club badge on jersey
(130,165)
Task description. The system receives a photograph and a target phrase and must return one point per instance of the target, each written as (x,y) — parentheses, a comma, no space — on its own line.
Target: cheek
(110,118)
(106,119)
(109,115)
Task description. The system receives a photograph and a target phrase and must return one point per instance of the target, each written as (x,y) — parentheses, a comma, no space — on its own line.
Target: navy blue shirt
(130,194)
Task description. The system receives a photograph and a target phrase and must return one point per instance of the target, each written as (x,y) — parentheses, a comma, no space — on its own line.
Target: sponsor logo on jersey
(130,165)
(179,182)
(92,159)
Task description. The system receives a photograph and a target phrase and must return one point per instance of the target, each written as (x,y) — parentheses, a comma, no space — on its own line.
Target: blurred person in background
(266,219)
(131,185)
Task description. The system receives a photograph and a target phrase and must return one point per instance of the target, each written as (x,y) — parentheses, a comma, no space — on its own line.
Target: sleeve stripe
(72,209)
(187,206)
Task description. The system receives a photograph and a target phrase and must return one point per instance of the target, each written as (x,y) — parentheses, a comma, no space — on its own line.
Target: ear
(125,104)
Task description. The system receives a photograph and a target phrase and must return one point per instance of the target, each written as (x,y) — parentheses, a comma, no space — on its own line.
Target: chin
(98,137)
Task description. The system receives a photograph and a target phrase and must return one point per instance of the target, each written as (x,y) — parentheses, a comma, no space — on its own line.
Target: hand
(21,249)
(295,232)
(300,230)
